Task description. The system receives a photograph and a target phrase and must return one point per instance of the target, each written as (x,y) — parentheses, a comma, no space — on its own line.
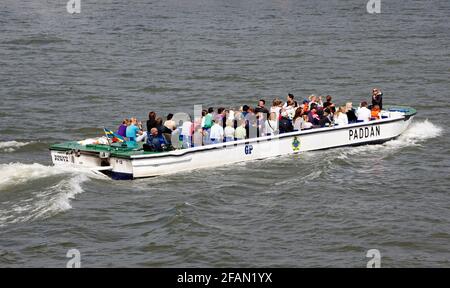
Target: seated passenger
(170,123)
(375,112)
(240,132)
(363,113)
(161,128)
(341,118)
(325,118)
(351,115)
(155,141)
(305,107)
(306,123)
(132,132)
(151,122)
(298,119)
(313,117)
(285,124)
(229,131)
(216,134)
(122,131)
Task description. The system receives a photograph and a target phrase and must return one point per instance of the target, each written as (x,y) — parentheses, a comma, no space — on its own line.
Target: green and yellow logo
(295,144)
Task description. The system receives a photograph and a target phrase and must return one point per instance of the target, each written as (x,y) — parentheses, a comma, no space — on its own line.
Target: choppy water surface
(63,77)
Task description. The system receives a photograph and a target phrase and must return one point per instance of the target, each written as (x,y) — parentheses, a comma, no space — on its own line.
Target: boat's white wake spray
(27,203)
(11,146)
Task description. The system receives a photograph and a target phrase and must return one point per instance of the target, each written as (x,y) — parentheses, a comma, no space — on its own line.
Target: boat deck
(115,149)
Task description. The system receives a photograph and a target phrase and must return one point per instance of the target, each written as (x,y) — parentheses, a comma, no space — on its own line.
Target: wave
(417,133)
(31,200)
(11,146)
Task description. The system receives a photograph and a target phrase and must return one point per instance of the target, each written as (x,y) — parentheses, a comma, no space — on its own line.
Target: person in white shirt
(298,119)
(229,131)
(186,132)
(271,125)
(341,118)
(363,112)
(277,104)
(216,134)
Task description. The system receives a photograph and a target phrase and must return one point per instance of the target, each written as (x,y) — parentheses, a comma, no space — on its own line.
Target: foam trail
(11,146)
(18,173)
(419,132)
(31,203)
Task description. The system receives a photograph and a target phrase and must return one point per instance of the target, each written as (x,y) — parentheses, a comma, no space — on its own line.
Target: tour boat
(123,163)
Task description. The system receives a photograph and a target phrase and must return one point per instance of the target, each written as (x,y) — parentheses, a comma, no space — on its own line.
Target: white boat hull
(259,148)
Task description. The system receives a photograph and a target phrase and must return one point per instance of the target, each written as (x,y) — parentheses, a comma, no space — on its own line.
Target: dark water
(64,77)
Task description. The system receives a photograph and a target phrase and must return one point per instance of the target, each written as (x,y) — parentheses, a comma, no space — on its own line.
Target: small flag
(113,136)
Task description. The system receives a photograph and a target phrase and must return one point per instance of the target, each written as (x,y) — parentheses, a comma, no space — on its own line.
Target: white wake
(11,146)
(35,191)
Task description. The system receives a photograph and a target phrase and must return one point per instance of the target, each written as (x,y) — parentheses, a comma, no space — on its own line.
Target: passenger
(186,133)
(306,123)
(375,112)
(208,119)
(351,115)
(122,131)
(285,124)
(240,132)
(377,98)
(271,125)
(313,117)
(170,123)
(132,132)
(229,131)
(216,134)
(155,141)
(312,101)
(363,113)
(305,107)
(326,118)
(259,123)
(204,112)
(298,119)
(328,105)
(319,102)
(277,104)
(341,118)
(289,99)
(151,122)
(245,110)
(222,116)
(262,107)
(230,115)
(197,139)
(289,108)
(161,128)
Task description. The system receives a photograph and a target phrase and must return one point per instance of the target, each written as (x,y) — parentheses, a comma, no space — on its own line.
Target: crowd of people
(225,125)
